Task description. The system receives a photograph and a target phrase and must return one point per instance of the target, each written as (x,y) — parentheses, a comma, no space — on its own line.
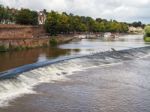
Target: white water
(24,83)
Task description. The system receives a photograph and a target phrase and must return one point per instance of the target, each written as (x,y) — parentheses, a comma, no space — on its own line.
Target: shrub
(53,42)
(147,34)
(147,39)
(147,31)
(2,48)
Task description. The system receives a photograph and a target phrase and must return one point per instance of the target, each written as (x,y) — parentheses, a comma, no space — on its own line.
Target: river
(15,59)
(108,81)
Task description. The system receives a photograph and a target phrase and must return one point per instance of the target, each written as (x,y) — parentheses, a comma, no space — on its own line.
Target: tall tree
(52,23)
(27,17)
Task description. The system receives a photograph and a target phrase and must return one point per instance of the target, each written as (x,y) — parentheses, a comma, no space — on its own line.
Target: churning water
(26,81)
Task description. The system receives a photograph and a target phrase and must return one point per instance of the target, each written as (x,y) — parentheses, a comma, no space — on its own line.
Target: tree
(63,23)
(3,14)
(52,23)
(57,23)
(27,17)
(137,24)
(102,27)
(147,31)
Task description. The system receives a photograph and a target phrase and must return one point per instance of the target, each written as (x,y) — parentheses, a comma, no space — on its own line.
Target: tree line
(6,15)
(14,16)
(58,23)
(61,23)
(137,24)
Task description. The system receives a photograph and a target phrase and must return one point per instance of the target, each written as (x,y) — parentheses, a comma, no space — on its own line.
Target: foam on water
(25,82)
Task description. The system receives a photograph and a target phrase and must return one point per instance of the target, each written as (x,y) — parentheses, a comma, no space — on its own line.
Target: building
(41,17)
(135,29)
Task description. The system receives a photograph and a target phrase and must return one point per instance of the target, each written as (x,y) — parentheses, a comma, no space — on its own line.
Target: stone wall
(20,31)
(19,44)
(22,37)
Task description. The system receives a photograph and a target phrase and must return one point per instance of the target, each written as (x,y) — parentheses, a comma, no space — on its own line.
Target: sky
(121,10)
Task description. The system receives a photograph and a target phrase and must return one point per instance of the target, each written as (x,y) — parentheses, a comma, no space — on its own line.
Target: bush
(147,34)
(53,42)
(147,31)
(147,39)
(2,48)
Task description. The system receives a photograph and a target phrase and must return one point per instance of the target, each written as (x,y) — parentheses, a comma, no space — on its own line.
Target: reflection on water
(14,59)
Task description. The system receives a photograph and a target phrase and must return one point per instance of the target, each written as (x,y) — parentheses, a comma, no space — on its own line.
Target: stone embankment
(20,31)
(17,37)
(19,44)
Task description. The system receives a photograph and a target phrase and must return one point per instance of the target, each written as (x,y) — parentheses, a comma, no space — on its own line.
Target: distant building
(135,29)
(41,17)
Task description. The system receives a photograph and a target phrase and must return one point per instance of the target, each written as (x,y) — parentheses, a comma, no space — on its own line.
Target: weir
(122,54)
(21,80)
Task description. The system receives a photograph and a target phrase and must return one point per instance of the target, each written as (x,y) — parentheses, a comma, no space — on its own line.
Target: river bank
(19,37)
(13,59)
(27,43)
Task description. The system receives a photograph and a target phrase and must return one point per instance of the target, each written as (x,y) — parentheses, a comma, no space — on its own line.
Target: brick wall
(20,31)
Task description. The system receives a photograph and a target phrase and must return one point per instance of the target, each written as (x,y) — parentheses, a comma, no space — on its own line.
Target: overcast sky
(121,10)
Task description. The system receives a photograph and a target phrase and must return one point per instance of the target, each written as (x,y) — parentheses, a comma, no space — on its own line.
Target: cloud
(122,10)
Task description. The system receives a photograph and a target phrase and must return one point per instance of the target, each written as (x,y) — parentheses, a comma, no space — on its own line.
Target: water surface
(14,59)
(103,82)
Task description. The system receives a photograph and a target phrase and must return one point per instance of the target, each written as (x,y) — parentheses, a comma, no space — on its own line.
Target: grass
(147,39)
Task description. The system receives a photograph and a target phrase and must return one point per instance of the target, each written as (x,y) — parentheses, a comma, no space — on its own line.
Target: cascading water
(24,83)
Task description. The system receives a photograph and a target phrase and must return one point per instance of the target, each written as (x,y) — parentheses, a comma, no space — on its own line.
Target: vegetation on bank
(2,48)
(12,48)
(14,16)
(26,17)
(64,23)
(53,42)
(137,24)
(147,34)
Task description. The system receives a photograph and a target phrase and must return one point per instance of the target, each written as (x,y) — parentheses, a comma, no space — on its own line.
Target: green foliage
(2,48)
(27,17)
(137,24)
(147,31)
(52,23)
(62,23)
(147,34)
(23,16)
(6,15)
(2,13)
(147,39)
(57,23)
(53,42)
